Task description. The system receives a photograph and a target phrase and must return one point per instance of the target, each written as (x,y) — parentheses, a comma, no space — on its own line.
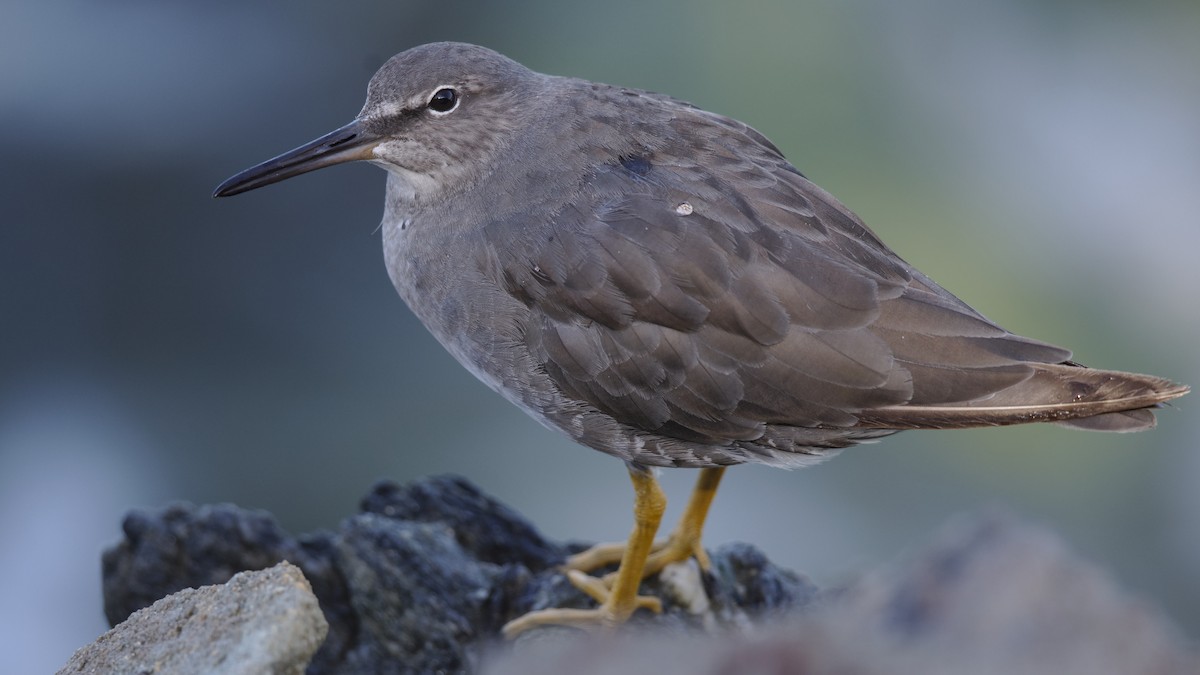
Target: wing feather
(765,314)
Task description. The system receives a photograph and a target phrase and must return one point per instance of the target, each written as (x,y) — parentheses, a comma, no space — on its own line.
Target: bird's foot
(639,558)
(600,590)
(678,548)
(681,546)
(603,555)
(611,613)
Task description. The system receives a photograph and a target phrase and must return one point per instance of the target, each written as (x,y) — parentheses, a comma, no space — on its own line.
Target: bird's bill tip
(347,144)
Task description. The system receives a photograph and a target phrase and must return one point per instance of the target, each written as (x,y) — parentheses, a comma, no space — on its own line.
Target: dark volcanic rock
(423,579)
(488,529)
(185,546)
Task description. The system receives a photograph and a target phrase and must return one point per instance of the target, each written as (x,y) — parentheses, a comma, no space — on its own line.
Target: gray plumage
(661,284)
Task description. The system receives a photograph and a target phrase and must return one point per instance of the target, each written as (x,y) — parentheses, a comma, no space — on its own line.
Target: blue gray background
(1041,160)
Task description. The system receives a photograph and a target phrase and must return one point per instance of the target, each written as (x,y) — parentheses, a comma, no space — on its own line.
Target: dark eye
(443,101)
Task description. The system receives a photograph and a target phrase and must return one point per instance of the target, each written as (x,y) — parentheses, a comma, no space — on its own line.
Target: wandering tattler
(660,284)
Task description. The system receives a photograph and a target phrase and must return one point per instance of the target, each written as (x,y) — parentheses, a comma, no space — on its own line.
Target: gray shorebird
(659,283)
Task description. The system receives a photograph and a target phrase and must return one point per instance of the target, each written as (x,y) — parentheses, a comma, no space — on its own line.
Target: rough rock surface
(422,579)
(259,622)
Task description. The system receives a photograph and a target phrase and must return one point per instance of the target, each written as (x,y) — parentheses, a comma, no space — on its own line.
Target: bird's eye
(444,100)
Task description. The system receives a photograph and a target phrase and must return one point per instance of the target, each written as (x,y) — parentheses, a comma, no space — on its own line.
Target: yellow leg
(618,604)
(685,540)
(683,543)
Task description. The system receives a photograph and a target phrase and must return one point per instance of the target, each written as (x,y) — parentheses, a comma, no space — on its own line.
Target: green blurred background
(1039,159)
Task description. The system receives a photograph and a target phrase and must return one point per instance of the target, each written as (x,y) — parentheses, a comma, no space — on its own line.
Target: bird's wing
(706,295)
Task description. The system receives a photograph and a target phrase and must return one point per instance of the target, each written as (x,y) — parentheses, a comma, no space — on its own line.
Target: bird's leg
(683,543)
(619,603)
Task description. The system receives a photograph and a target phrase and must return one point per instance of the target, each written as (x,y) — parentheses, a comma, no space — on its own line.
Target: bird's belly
(483,337)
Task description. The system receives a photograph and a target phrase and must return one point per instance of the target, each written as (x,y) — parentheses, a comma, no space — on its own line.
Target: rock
(259,622)
(994,595)
(183,546)
(418,598)
(990,596)
(423,579)
(487,528)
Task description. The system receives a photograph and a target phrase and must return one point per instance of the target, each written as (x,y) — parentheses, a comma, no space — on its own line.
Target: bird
(661,284)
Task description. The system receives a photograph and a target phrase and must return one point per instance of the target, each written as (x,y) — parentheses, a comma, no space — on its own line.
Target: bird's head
(436,116)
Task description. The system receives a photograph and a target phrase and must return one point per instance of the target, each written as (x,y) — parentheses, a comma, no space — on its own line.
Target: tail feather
(1125,421)
(1085,398)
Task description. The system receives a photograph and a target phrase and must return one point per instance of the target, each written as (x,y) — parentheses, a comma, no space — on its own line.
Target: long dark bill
(347,144)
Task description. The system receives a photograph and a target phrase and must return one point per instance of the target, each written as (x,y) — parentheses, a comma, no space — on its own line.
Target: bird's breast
(441,273)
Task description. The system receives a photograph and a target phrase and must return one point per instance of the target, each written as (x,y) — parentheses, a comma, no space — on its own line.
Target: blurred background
(1041,160)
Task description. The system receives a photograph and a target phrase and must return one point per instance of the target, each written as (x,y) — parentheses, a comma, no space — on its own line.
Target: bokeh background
(1041,160)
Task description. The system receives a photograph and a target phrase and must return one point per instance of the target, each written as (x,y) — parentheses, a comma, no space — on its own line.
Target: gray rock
(994,595)
(259,622)
(424,578)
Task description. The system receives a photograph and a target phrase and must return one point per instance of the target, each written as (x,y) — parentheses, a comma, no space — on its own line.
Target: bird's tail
(1067,393)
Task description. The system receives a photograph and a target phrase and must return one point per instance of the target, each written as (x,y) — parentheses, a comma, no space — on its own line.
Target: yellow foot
(639,557)
(600,591)
(601,555)
(599,618)
(683,543)
(678,548)
(607,616)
